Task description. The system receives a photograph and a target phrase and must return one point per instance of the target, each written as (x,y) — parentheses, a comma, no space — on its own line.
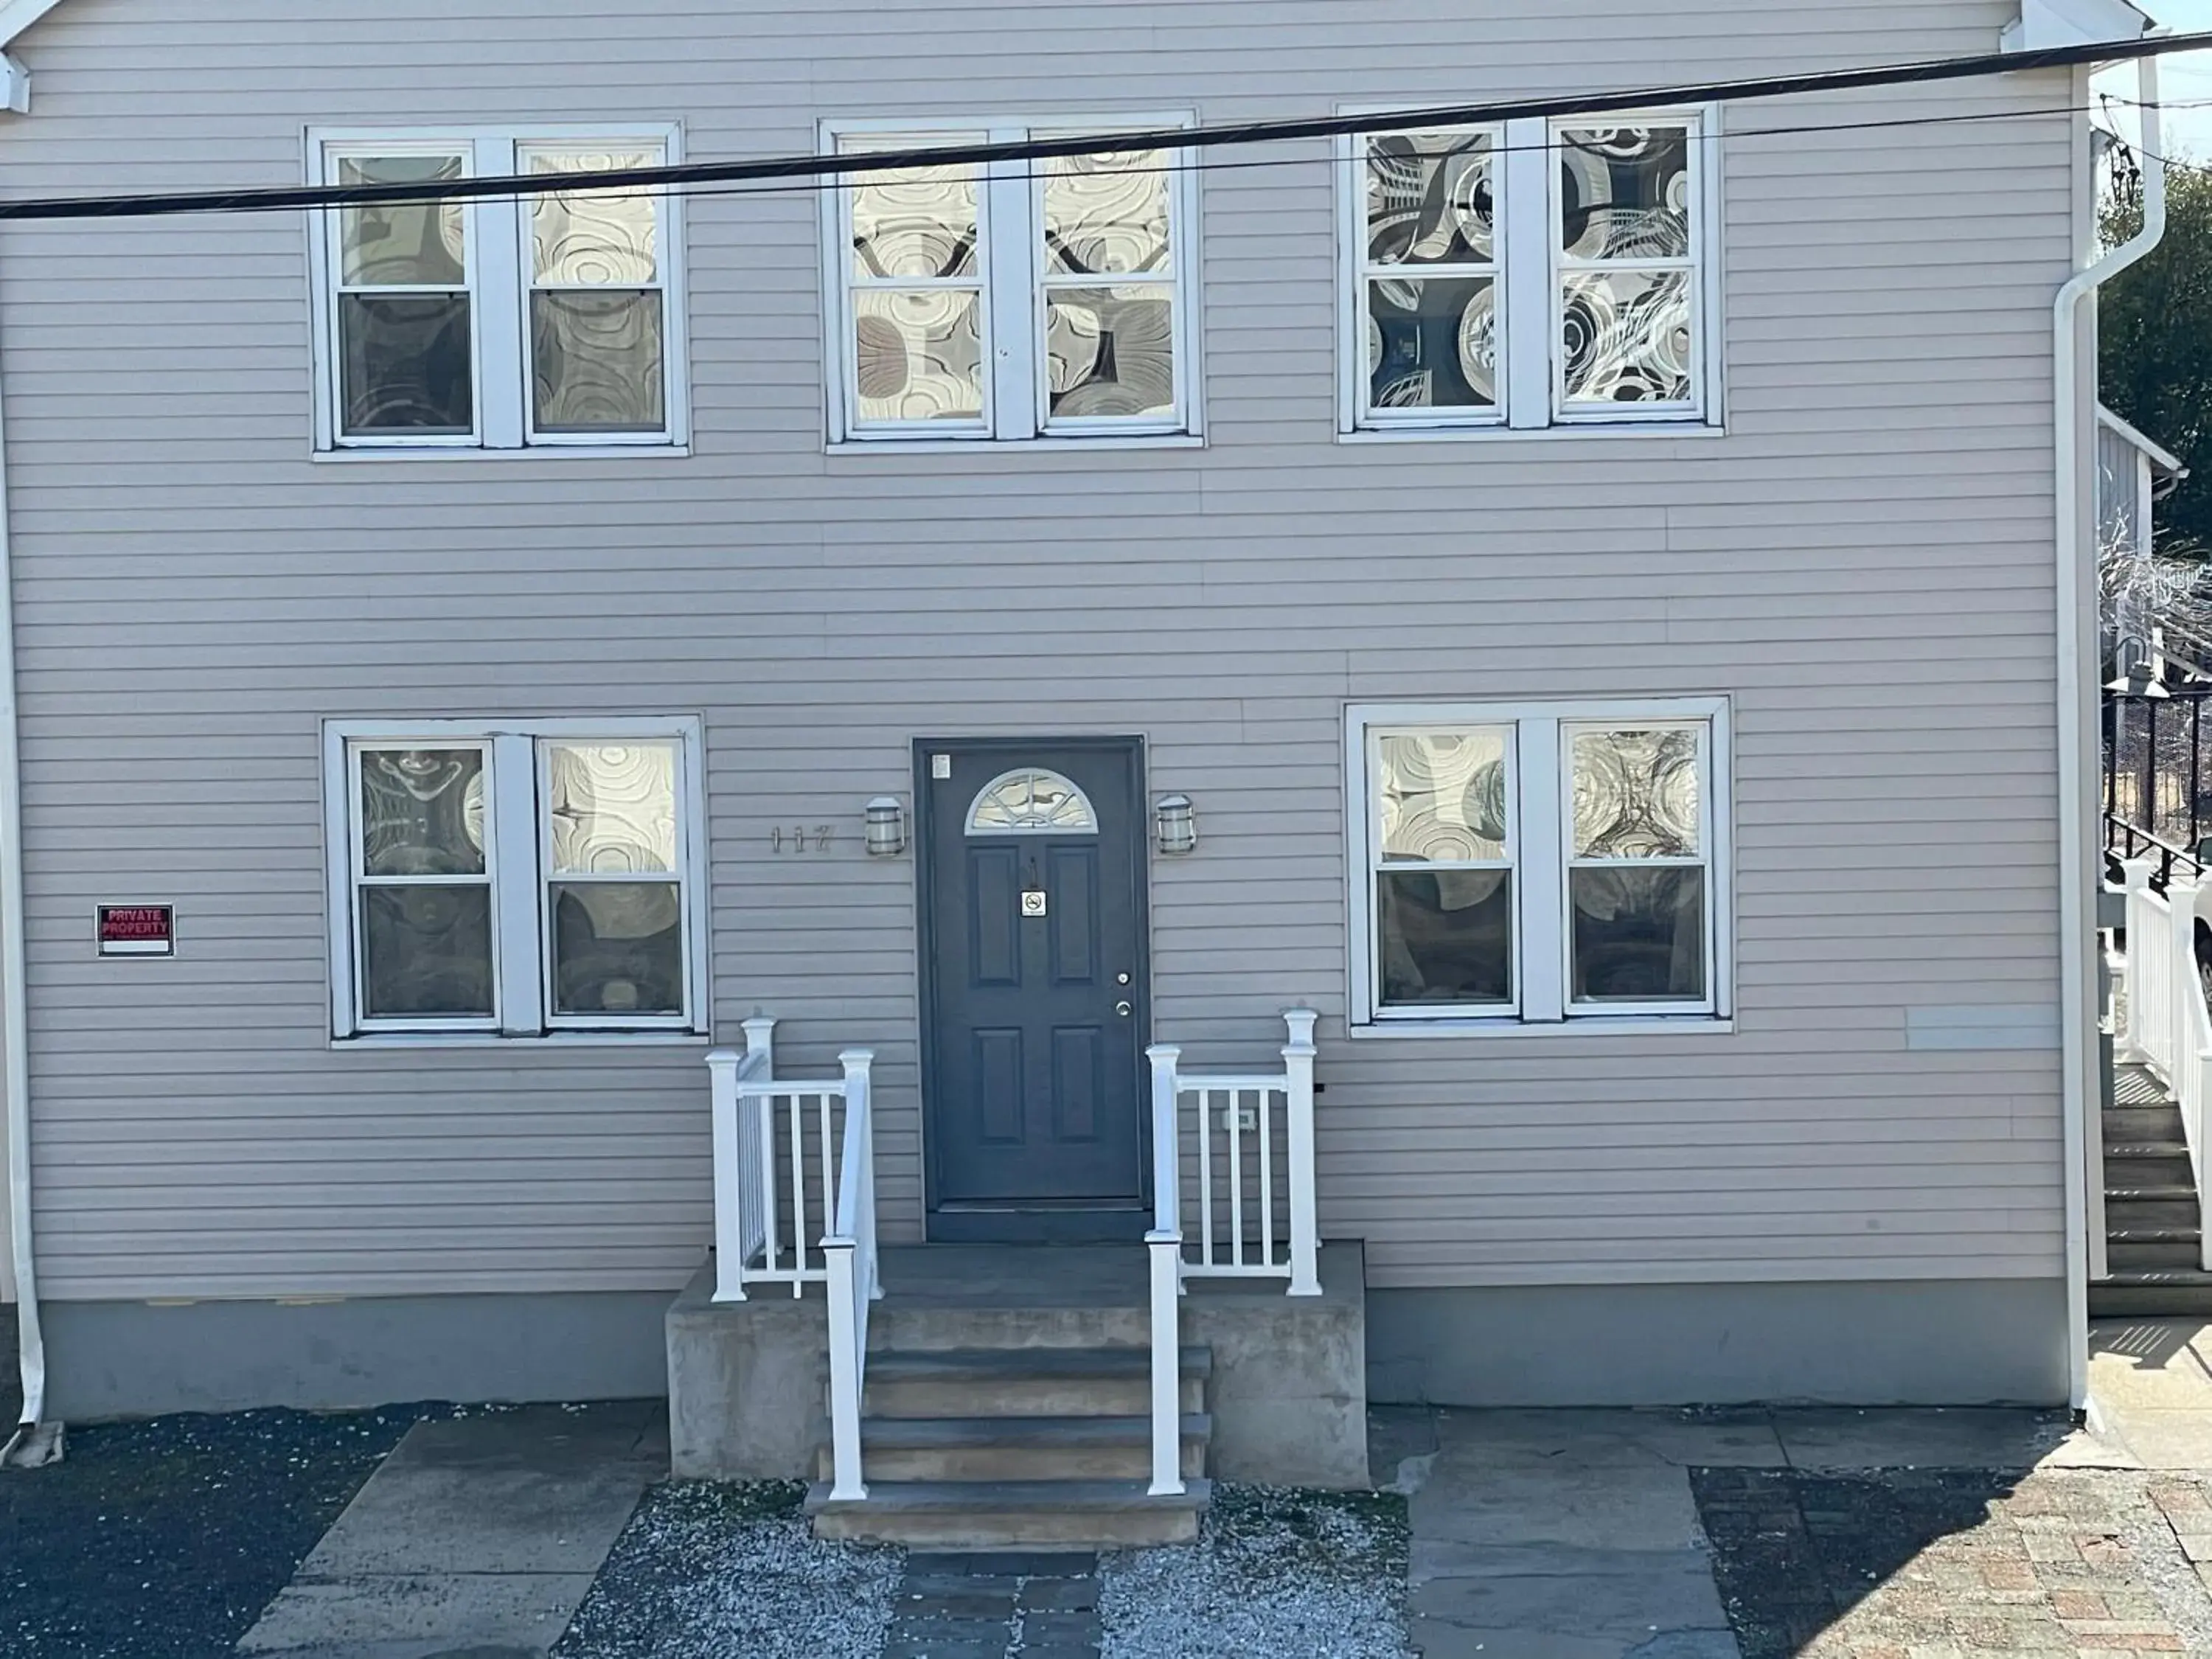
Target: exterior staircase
(2153,1238)
(1014,1415)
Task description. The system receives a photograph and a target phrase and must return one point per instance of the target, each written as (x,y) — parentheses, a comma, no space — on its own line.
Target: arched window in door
(1031,801)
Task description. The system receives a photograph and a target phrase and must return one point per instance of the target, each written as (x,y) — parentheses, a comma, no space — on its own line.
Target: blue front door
(1033,966)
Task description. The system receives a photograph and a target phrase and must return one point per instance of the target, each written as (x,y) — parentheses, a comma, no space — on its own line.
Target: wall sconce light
(886,821)
(1176,823)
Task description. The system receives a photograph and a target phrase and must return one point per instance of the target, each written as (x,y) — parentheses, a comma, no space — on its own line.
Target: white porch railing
(849,1248)
(775,1159)
(1263,1150)
(1250,1140)
(2169,1027)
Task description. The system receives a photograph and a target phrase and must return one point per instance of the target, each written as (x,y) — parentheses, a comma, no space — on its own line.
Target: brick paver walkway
(1960,1564)
(1036,1605)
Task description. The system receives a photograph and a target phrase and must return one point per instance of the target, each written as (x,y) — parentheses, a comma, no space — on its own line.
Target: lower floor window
(515,881)
(1540,863)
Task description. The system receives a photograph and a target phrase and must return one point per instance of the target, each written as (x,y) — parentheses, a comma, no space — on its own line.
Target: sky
(2184,78)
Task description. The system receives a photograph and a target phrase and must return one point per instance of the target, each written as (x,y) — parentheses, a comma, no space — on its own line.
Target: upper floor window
(1530,274)
(513,882)
(1024,300)
(493,324)
(1539,864)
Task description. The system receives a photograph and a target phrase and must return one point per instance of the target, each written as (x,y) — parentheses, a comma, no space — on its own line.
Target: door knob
(1122,1009)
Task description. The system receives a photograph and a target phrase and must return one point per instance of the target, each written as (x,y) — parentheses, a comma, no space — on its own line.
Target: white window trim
(1014,393)
(1528,259)
(499,270)
(1541,969)
(520,933)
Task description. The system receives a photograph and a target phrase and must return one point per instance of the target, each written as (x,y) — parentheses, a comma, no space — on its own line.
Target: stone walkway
(1740,1534)
(1042,1606)
(479,1532)
(1563,1533)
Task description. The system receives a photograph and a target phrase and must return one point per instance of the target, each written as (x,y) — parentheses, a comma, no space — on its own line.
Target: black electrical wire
(1733,136)
(1103,143)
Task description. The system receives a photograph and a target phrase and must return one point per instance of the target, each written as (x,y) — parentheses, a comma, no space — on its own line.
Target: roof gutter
(2081,1083)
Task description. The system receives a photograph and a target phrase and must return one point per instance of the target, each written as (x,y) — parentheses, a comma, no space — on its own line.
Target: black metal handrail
(2135,841)
(2158,775)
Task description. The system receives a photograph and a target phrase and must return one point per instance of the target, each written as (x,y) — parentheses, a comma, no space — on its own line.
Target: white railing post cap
(1165,1051)
(851,1058)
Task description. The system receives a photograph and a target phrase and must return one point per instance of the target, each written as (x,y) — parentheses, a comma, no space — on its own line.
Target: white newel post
(1306,1221)
(1167,1363)
(857,1063)
(1164,1245)
(760,1039)
(729,1251)
(1167,1180)
(844,1374)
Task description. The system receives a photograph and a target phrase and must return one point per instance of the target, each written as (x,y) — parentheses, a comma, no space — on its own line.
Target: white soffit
(2042,23)
(15,16)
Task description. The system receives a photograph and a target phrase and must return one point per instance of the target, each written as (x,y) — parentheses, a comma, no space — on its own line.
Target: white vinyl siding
(196,596)
(1012,301)
(576,298)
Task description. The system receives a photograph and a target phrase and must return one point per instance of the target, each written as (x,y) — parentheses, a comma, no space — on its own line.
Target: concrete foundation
(137,1359)
(748,1381)
(1289,1392)
(1906,1342)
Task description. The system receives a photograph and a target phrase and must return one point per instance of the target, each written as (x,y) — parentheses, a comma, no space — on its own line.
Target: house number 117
(799,838)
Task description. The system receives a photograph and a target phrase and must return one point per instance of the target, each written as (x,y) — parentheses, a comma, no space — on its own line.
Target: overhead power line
(1124,142)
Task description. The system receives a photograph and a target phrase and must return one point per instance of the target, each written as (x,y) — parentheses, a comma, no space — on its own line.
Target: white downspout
(2079,1084)
(35,1442)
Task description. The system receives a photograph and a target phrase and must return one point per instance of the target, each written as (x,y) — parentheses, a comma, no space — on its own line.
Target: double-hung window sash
(1540,863)
(1011,300)
(402,277)
(519,883)
(498,324)
(1529,274)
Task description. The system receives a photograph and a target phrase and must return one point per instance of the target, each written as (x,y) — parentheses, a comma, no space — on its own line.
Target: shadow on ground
(1795,1551)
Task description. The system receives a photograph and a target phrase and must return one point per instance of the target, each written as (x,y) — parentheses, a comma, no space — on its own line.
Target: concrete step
(1024,1382)
(1012,1515)
(2155,1254)
(907,1327)
(2151,1293)
(1001,1449)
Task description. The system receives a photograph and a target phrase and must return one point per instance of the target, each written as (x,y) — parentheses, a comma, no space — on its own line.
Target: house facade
(1485,585)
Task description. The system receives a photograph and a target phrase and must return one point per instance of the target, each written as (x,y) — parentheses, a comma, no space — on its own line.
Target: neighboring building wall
(1864,562)
(2123,487)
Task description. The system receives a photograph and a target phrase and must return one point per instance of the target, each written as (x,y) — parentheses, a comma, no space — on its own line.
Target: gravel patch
(705,1570)
(1320,1575)
(164,1539)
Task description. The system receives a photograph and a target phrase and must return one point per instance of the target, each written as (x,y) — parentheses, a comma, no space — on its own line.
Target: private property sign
(136,930)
